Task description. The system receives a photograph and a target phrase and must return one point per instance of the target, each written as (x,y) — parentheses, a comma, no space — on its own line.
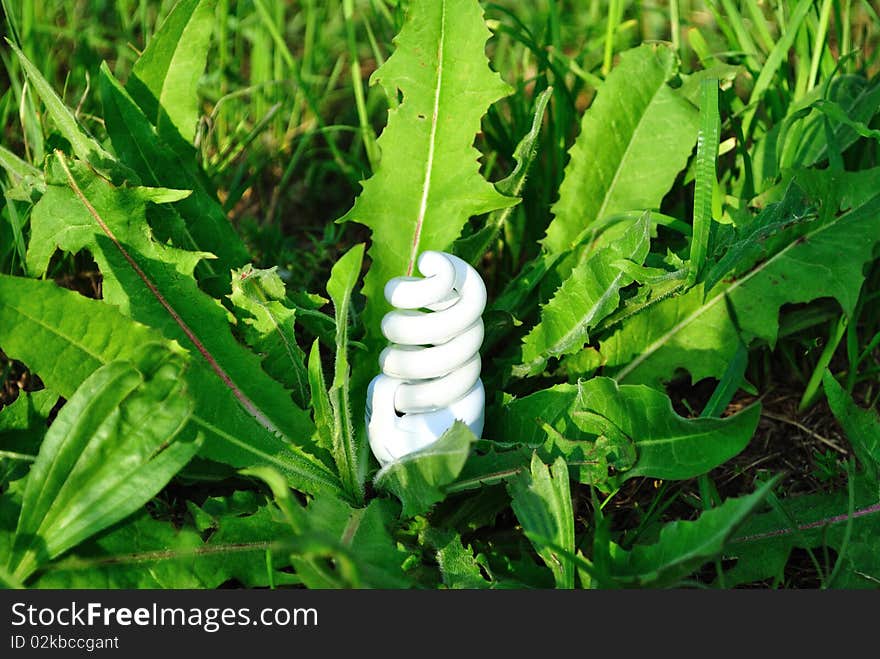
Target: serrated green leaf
(567,420)
(164,80)
(153,283)
(694,332)
(246,543)
(259,297)
(197,222)
(472,248)
(65,337)
(419,479)
(591,292)
(744,247)
(111,448)
(635,138)
(684,546)
(459,568)
(427,183)
(542,503)
(349,453)
(669,446)
(850,189)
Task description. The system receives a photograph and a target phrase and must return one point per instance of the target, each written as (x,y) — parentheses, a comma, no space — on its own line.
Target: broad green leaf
(862,426)
(846,521)
(596,425)
(739,251)
(140,552)
(419,479)
(83,144)
(522,419)
(359,542)
(153,283)
(635,138)
(472,248)
(259,298)
(111,448)
(695,332)
(427,183)
(65,337)
(164,80)
(196,222)
(542,503)
(683,546)
(347,450)
(668,445)
(591,292)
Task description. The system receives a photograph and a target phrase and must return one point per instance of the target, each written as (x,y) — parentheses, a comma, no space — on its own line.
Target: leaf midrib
(429,161)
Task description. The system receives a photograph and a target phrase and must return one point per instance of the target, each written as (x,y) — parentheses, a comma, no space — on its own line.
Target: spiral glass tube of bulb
(431,371)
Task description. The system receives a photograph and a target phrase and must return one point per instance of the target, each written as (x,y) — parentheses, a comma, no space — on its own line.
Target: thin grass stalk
(614,11)
(357,84)
(819,43)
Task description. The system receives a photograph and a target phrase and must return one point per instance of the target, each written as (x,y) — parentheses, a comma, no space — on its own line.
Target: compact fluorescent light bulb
(431,371)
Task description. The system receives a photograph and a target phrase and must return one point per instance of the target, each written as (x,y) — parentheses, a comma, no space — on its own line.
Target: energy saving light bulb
(431,371)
